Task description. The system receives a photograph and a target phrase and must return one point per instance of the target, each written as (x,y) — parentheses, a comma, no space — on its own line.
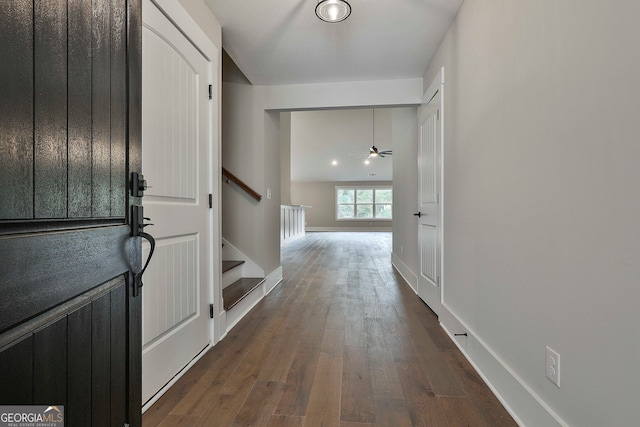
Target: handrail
(241,184)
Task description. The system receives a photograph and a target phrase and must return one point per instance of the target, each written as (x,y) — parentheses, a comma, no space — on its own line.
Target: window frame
(355,202)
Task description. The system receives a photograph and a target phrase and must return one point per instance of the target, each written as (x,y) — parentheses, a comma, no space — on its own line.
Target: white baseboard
(174,380)
(520,400)
(350,229)
(244,306)
(407,274)
(220,326)
(272,280)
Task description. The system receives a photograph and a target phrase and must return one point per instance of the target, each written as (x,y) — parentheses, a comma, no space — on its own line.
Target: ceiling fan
(373,151)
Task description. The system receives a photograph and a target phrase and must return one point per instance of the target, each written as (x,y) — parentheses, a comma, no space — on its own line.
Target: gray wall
(285,158)
(404,132)
(321,196)
(541,202)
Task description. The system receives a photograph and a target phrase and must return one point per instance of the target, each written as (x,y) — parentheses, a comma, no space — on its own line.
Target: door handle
(137,230)
(419,214)
(137,277)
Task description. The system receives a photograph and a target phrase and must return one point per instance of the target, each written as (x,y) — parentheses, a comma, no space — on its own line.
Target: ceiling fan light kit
(333,10)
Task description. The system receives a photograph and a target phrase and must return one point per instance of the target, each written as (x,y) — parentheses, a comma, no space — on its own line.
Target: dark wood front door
(69,139)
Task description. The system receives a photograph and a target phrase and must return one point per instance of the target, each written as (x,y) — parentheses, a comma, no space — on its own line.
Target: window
(364,203)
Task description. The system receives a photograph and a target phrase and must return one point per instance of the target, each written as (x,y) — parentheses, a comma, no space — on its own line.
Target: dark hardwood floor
(343,342)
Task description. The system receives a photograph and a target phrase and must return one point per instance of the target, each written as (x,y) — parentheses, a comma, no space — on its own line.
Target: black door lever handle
(137,277)
(419,214)
(137,230)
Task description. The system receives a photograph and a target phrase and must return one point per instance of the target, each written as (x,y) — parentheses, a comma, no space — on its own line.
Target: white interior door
(176,143)
(430,224)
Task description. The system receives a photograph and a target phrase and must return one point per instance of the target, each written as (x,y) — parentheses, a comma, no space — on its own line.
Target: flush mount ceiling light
(333,10)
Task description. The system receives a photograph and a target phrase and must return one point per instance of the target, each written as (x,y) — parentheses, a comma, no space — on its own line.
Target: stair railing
(232,178)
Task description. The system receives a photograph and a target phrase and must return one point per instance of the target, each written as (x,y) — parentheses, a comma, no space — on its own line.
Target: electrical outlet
(553,366)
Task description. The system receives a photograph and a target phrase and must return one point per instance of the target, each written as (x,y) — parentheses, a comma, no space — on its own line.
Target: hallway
(342,342)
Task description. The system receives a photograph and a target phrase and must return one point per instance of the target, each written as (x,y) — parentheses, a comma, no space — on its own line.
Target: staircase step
(228,265)
(234,293)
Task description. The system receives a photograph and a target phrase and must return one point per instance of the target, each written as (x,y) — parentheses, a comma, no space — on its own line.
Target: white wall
(541,201)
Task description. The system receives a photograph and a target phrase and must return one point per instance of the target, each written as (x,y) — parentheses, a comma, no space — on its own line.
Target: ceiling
(277,42)
(320,137)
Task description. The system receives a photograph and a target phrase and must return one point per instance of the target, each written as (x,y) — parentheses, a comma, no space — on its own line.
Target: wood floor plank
(357,394)
(375,334)
(343,341)
(333,340)
(424,408)
(323,409)
(295,396)
(459,411)
(179,420)
(438,372)
(286,421)
(392,412)
(197,401)
(487,403)
(260,404)
(385,382)
(223,410)
(437,334)
(350,424)
(355,332)
(182,389)
(277,364)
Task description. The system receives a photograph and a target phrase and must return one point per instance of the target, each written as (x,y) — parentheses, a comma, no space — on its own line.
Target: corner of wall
(407,274)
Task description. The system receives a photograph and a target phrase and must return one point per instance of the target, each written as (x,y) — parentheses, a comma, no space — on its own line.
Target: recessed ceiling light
(366,162)
(334,163)
(333,10)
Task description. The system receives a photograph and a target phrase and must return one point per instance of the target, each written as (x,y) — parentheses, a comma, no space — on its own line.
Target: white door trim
(436,88)
(177,14)
(173,10)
